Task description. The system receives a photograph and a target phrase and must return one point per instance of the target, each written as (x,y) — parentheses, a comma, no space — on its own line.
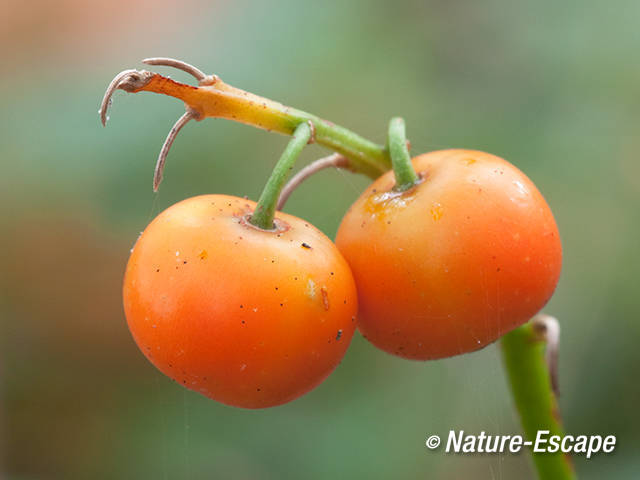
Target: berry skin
(247,317)
(453,263)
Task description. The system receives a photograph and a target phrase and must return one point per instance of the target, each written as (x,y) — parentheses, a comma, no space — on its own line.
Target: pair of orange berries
(255,318)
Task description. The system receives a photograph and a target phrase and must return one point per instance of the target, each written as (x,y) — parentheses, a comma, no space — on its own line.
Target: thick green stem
(266,207)
(529,378)
(406,176)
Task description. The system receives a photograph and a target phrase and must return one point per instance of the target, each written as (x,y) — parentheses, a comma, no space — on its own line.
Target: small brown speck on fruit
(325,298)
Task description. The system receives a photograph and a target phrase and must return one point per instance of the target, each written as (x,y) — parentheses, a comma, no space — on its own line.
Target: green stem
(266,207)
(406,176)
(530,382)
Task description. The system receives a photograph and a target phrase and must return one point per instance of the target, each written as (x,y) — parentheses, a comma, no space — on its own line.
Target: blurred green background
(551,86)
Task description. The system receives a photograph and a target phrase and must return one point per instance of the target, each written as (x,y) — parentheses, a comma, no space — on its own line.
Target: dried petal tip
(127,80)
(179,64)
(166,146)
(548,329)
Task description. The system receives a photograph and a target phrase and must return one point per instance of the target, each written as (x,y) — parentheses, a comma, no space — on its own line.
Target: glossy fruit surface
(453,263)
(247,317)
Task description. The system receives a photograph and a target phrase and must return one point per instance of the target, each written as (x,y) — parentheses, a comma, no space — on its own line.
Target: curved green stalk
(406,176)
(523,352)
(266,207)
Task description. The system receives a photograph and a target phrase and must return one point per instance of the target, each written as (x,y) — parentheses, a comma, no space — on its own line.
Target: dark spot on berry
(325,298)
(339,334)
